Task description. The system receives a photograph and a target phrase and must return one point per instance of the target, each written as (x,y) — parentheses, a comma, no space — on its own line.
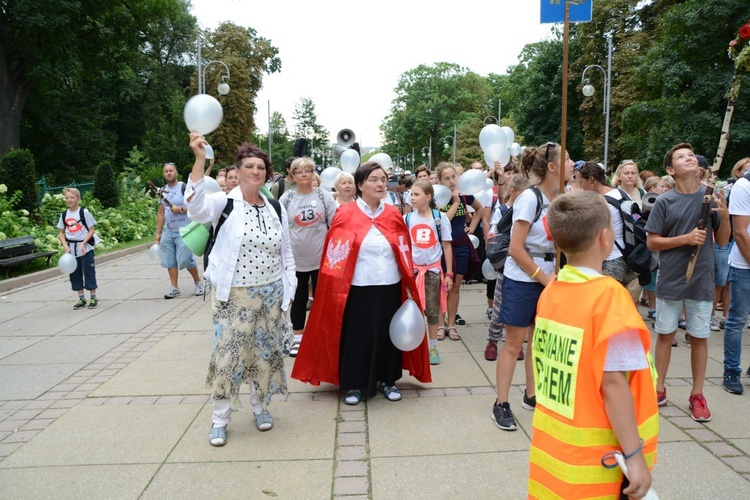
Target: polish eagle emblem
(337,253)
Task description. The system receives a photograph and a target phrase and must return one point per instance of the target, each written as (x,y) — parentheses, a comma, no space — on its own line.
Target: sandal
(391,392)
(353,397)
(218,436)
(263,421)
(441,333)
(453,333)
(294,350)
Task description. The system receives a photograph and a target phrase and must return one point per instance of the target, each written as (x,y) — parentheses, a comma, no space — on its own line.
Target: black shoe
(503,417)
(528,403)
(460,320)
(732,383)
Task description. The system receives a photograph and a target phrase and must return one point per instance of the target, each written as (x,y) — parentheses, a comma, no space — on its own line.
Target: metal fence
(83,187)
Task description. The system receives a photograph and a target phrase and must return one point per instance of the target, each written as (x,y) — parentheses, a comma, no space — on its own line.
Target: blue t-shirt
(459,219)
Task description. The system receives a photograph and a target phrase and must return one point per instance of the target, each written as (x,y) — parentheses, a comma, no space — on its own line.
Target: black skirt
(367,355)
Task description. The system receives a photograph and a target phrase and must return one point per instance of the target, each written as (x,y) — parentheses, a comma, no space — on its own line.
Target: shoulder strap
(281,187)
(408,218)
(183,186)
(82,218)
(276,206)
(539,202)
(436,215)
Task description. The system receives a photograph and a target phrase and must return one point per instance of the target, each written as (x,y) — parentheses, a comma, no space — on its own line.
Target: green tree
(429,101)
(684,76)
(248,57)
(69,79)
(536,95)
(307,126)
(105,186)
(18,172)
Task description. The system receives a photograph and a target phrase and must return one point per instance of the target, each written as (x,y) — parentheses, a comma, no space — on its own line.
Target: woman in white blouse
(251,268)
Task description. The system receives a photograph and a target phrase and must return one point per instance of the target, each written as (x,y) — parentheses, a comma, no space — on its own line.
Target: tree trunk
(14,91)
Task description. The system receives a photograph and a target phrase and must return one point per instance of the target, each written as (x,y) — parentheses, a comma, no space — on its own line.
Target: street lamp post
(588,90)
(445,142)
(223,87)
(425,152)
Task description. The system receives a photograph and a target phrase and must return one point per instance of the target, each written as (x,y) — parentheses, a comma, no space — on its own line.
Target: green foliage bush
(134,220)
(105,186)
(18,171)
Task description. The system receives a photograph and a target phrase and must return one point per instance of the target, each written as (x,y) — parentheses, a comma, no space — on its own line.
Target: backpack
(499,244)
(94,238)
(634,234)
(436,215)
(214,232)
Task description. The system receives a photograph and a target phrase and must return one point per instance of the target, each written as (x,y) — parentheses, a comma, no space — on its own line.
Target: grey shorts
(432,297)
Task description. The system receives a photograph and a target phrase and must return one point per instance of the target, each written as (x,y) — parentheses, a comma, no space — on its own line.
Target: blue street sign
(553,11)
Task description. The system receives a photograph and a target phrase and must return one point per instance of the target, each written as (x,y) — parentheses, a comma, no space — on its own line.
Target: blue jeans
(739,309)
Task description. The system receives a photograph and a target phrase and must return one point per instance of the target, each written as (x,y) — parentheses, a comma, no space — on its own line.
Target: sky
(348,56)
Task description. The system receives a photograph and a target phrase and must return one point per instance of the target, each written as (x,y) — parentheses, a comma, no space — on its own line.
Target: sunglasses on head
(546,151)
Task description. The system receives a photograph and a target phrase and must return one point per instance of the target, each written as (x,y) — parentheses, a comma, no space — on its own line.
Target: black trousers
(367,355)
(298,312)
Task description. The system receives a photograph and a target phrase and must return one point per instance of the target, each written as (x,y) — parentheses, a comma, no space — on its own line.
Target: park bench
(17,250)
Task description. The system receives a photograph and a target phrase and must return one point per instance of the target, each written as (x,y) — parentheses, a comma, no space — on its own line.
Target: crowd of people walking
(319,275)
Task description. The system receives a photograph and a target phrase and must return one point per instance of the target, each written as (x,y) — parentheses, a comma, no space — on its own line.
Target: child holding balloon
(430,232)
(76,233)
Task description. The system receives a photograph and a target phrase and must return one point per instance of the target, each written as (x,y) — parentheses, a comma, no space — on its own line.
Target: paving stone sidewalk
(111,403)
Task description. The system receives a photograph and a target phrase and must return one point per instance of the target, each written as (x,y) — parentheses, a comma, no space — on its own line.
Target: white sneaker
(714,325)
(198,289)
(172,293)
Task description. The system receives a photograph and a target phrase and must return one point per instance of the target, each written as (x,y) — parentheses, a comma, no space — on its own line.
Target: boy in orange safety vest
(593,372)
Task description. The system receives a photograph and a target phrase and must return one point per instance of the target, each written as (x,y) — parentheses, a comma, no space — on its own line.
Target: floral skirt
(250,330)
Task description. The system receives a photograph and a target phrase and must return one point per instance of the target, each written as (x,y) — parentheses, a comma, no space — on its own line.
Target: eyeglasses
(625,162)
(546,151)
(303,172)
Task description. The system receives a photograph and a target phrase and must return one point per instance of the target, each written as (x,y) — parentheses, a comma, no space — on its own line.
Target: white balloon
(471,181)
(203,114)
(154,253)
(504,156)
(488,271)
(488,184)
(442,195)
(407,328)
(349,161)
(483,198)
(383,160)
(491,134)
(474,241)
(515,149)
(329,175)
(210,185)
(67,263)
(209,152)
(510,136)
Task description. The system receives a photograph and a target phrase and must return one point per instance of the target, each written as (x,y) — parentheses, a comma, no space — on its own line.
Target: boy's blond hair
(576,219)
(72,190)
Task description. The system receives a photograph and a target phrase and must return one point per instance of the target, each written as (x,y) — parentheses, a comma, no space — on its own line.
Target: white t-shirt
(75,230)
(425,245)
(615,194)
(309,215)
(739,204)
(538,240)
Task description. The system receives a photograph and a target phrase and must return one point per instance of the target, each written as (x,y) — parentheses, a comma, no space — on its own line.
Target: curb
(53,272)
